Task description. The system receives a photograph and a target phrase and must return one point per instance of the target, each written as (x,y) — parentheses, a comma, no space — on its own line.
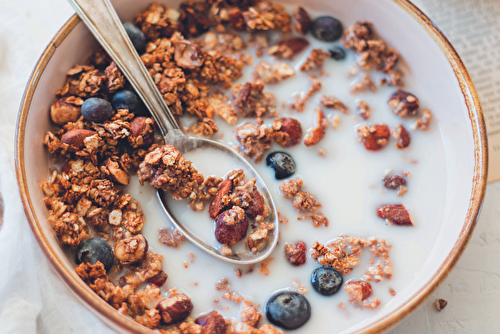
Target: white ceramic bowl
(440,75)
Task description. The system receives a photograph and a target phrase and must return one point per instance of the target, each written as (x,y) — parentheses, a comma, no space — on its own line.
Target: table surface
(473,287)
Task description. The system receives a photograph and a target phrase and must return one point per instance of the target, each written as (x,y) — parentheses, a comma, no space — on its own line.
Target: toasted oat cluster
(305,203)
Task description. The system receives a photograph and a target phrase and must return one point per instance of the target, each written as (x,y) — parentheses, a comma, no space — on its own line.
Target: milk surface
(347,181)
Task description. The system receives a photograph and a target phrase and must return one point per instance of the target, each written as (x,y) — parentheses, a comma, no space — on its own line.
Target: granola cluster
(305,203)
(373,52)
(343,252)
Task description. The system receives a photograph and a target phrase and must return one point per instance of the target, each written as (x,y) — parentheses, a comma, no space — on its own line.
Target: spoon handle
(102,20)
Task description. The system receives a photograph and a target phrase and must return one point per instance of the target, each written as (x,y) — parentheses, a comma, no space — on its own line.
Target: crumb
(440,304)
(264,266)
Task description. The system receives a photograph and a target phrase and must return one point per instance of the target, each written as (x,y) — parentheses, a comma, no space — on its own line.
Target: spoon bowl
(103,21)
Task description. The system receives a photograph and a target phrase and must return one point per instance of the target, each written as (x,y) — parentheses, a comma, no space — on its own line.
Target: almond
(221,199)
(76,137)
(174,308)
(395,214)
(158,279)
(302,20)
(212,323)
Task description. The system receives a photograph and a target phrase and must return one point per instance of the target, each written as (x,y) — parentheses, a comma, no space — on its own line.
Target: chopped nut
(302,20)
(358,290)
(394,181)
(175,308)
(440,304)
(374,137)
(395,214)
(402,136)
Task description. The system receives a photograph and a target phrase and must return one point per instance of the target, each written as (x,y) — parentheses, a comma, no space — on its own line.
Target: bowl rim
(116,320)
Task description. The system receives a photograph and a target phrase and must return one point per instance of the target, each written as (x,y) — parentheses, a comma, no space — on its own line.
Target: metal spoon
(101,19)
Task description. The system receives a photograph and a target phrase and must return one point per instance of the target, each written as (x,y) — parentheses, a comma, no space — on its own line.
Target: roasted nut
(131,249)
(358,290)
(212,323)
(287,131)
(288,48)
(231,226)
(174,308)
(221,199)
(66,109)
(333,103)
(76,137)
(394,182)
(403,104)
(256,207)
(141,132)
(117,174)
(318,132)
(402,136)
(374,137)
(188,54)
(395,214)
(302,20)
(440,304)
(296,254)
(158,279)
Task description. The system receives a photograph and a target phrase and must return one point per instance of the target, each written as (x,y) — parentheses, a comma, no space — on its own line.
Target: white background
(473,287)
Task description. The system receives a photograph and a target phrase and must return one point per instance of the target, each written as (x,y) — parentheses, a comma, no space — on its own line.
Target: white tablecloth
(33,298)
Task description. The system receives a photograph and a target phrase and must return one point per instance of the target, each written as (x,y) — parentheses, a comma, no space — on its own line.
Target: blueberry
(127,99)
(96,109)
(327,28)
(288,309)
(326,280)
(137,37)
(93,250)
(282,163)
(337,53)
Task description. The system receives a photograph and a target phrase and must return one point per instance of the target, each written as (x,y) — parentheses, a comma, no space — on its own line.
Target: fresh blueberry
(282,163)
(93,250)
(326,280)
(137,37)
(288,309)
(337,53)
(96,109)
(127,99)
(327,28)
